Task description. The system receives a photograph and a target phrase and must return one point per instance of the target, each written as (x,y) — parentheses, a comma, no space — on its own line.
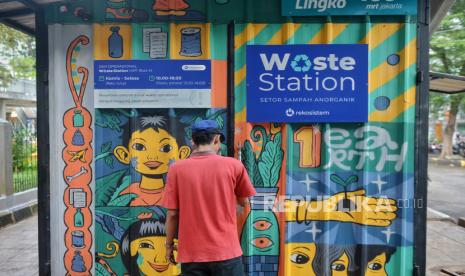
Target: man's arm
(243,201)
(171,227)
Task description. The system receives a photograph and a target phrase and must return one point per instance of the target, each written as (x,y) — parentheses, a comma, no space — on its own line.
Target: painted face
(151,253)
(150,152)
(376,267)
(340,266)
(299,258)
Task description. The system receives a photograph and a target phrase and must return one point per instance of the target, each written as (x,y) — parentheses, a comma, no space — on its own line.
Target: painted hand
(352,207)
(357,208)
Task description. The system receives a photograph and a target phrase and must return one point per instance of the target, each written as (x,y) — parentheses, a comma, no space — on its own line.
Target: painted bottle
(115,43)
(78,119)
(78,218)
(260,237)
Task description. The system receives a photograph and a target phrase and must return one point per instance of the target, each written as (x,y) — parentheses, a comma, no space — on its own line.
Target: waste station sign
(307,83)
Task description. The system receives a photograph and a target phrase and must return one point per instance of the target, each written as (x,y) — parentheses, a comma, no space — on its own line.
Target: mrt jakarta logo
(300,78)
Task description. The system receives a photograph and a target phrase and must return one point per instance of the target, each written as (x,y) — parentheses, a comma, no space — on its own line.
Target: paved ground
(446,247)
(19,249)
(446,190)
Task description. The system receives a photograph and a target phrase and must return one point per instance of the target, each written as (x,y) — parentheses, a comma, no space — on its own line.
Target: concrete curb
(461,222)
(18,214)
(447,162)
(434,215)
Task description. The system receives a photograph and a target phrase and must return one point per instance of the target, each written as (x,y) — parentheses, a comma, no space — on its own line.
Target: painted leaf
(108,119)
(220,122)
(337,179)
(270,162)
(122,200)
(106,186)
(109,161)
(125,182)
(250,163)
(351,180)
(106,147)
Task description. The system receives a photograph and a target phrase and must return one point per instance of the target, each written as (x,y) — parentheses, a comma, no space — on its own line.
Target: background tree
(17,56)
(448,56)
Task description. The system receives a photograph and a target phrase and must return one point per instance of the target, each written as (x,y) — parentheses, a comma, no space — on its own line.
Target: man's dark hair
(202,137)
(154,119)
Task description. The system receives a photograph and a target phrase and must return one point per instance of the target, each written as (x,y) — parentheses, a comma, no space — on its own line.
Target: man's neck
(206,148)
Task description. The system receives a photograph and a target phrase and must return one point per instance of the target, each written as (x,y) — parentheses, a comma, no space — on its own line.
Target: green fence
(24,160)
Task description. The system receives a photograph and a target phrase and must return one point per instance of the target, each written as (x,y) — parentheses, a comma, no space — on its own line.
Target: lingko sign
(307,83)
(348,7)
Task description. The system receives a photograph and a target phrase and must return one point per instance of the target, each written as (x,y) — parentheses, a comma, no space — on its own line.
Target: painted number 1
(309,139)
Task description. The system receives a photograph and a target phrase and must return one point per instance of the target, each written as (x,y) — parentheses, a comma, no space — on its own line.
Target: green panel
(219,41)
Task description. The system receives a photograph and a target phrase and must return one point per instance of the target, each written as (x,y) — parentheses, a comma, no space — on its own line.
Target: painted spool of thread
(190,42)
(77,239)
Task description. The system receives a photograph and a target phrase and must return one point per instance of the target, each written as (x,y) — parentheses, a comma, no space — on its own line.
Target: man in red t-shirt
(201,196)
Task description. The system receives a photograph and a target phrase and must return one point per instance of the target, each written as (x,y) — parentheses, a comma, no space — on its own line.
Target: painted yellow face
(377,266)
(151,257)
(299,258)
(340,266)
(150,151)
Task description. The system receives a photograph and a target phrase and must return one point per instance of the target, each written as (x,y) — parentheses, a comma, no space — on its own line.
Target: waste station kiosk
(324,102)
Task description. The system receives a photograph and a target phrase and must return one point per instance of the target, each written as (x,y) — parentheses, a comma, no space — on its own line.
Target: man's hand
(170,253)
(352,207)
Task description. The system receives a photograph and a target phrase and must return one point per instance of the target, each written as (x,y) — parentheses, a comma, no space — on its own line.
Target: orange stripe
(385,72)
(328,33)
(398,106)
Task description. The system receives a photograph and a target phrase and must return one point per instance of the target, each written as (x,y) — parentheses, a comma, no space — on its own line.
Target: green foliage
(23,149)
(447,56)
(17,51)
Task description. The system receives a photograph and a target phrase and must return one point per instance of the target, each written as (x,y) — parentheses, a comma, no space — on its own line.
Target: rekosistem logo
(290,112)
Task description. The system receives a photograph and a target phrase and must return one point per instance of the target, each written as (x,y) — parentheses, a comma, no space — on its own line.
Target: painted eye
(166,148)
(262,225)
(146,245)
(375,266)
(338,267)
(299,258)
(138,147)
(262,242)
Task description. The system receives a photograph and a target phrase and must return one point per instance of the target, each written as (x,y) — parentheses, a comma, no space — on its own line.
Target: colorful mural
(342,198)
(136,148)
(332,199)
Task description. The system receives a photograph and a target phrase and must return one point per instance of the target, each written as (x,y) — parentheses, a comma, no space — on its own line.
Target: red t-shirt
(205,188)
